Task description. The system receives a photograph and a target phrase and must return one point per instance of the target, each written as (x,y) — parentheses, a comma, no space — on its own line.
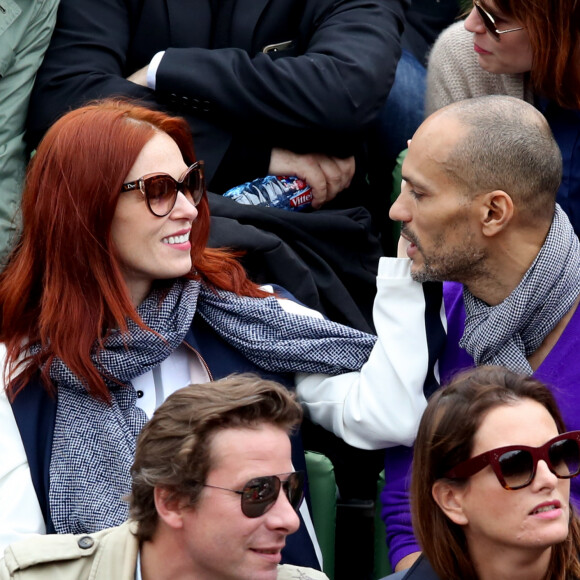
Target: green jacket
(107,555)
(25,30)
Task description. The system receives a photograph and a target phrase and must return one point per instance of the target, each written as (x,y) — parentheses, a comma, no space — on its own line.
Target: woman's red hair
(554,30)
(63,288)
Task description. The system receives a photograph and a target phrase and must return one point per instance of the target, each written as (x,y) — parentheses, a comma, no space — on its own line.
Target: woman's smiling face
(511,54)
(149,247)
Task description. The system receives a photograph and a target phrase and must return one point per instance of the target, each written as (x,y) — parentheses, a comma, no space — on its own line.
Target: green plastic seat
(382,566)
(323,493)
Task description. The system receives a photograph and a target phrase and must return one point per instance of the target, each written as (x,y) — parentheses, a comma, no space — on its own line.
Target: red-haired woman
(528,50)
(110,302)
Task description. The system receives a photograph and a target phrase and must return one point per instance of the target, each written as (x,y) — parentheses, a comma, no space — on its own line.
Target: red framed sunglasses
(515,465)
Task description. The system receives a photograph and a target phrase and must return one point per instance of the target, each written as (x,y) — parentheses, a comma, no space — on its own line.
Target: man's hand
(139,77)
(324,174)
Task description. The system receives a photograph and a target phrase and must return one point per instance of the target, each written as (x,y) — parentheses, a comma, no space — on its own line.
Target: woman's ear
(497,211)
(449,497)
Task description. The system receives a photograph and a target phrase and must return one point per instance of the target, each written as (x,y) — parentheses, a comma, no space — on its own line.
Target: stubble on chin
(424,275)
(454,266)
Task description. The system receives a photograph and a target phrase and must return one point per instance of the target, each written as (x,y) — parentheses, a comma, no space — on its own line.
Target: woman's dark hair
(445,439)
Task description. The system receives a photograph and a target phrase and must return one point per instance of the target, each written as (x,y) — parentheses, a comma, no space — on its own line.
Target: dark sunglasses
(489,22)
(160,189)
(515,465)
(261,493)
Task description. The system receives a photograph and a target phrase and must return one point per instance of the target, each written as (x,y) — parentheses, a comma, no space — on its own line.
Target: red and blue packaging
(290,193)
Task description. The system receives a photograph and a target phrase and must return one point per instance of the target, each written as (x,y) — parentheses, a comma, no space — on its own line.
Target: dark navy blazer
(329,69)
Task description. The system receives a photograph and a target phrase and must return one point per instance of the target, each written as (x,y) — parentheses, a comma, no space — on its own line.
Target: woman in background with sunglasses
(527,50)
(491,482)
(110,302)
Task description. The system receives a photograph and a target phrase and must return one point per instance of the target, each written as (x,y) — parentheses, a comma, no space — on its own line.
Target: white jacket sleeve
(380,405)
(20,512)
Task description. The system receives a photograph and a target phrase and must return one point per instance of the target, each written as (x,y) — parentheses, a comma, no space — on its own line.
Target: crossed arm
(300,114)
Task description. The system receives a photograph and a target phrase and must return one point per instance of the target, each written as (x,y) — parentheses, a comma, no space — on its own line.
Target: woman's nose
(473,23)
(183,208)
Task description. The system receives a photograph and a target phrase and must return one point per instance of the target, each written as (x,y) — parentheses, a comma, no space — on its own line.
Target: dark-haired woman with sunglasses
(527,50)
(111,301)
(491,482)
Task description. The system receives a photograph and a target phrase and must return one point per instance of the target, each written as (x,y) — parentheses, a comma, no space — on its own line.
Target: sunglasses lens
(294,489)
(487,21)
(259,495)
(161,192)
(565,457)
(194,185)
(517,467)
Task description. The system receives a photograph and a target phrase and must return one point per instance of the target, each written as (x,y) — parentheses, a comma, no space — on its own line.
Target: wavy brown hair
(62,288)
(445,439)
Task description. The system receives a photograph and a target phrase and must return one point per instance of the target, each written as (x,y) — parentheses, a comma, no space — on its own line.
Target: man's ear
(169,508)
(497,211)
(449,497)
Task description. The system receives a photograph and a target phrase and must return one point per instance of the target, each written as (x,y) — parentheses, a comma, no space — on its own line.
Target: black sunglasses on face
(515,465)
(489,22)
(160,189)
(261,493)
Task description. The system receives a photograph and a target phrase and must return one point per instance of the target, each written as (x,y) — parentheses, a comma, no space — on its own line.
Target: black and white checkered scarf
(506,334)
(94,442)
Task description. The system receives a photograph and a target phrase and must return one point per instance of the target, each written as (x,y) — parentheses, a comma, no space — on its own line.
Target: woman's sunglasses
(515,465)
(489,22)
(160,189)
(261,493)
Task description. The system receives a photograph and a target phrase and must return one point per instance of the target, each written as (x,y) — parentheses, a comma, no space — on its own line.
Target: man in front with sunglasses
(214,496)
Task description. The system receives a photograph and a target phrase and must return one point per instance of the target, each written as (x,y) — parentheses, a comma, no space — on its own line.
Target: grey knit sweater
(454,73)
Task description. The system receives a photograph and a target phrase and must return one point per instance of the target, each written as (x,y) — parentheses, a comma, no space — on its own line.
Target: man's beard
(456,264)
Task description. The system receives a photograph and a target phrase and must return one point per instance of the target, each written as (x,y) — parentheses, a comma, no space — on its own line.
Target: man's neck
(508,261)
(159,562)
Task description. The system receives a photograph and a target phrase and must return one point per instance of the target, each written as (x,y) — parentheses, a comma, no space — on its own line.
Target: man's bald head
(508,146)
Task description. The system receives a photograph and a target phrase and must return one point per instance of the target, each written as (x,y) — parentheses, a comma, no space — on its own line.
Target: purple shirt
(560,370)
